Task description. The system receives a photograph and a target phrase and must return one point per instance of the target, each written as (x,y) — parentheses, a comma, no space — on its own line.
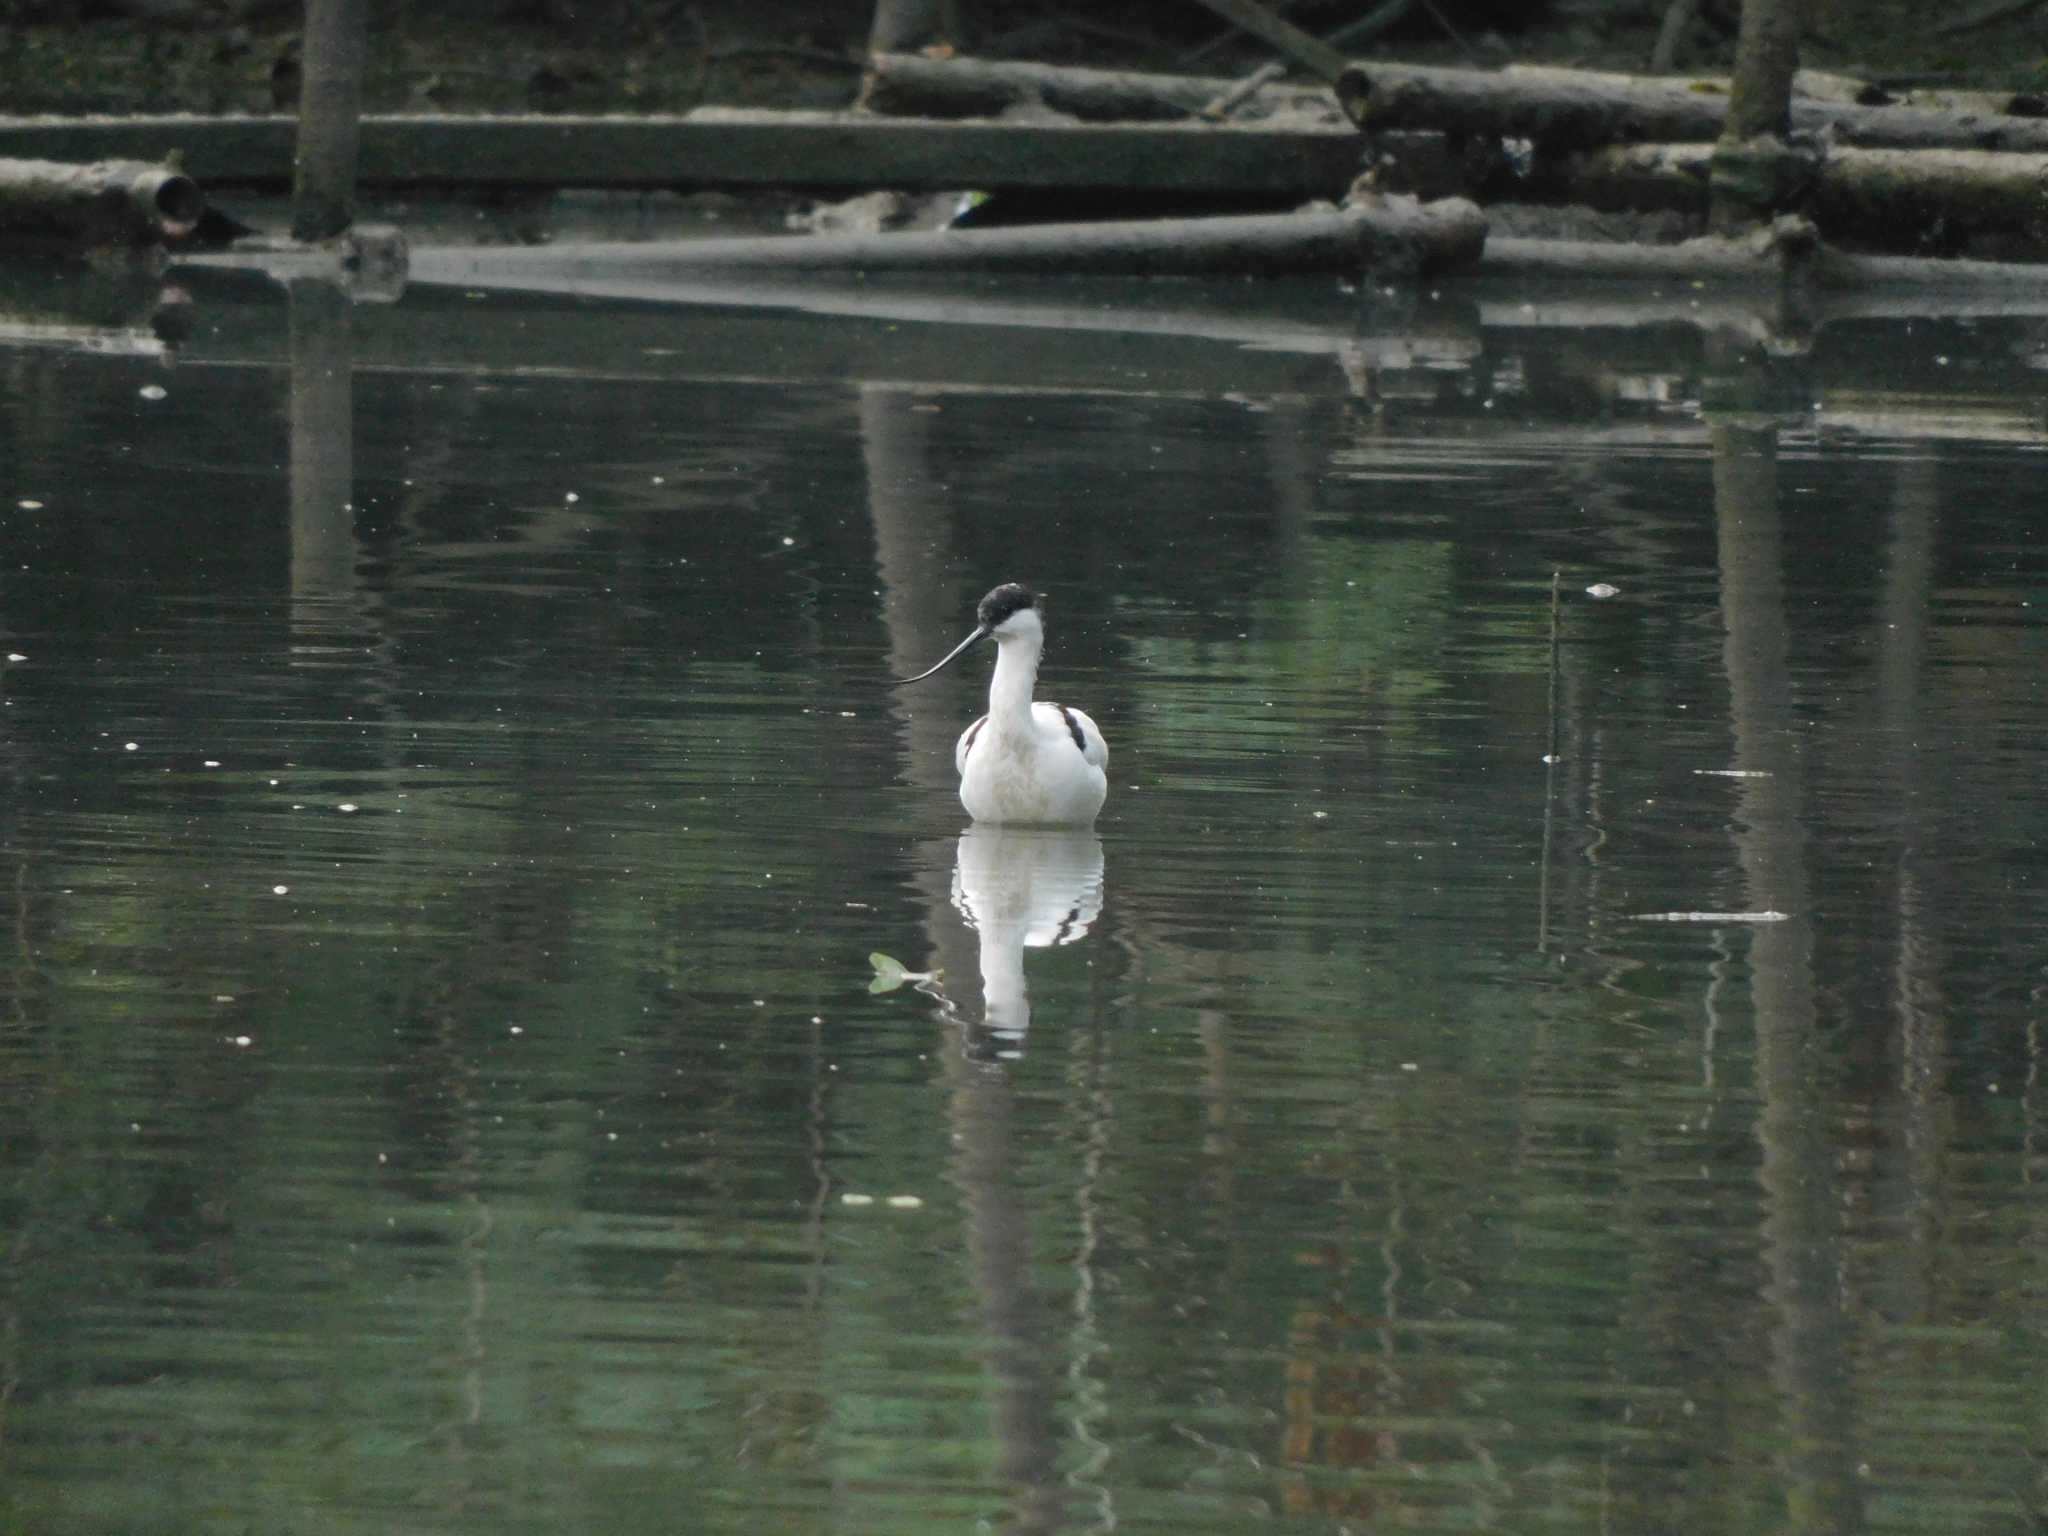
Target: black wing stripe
(1073,728)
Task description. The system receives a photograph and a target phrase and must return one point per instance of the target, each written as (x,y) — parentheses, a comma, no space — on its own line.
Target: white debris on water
(1709,917)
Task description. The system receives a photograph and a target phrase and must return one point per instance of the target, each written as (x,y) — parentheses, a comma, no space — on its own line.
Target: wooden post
(1766,59)
(1754,172)
(905,26)
(330,105)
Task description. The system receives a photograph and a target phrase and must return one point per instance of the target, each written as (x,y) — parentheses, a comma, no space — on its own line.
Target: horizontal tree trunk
(1615,178)
(1812,85)
(1391,234)
(1564,110)
(910,85)
(1772,256)
(736,148)
(1883,199)
(1902,199)
(1709,259)
(106,203)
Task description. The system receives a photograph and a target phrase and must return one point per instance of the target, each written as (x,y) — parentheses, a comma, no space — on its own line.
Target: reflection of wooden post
(921,598)
(322,415)
(1550,756)
(330,103)
(1912,1193)
(913,549)
(1801,1236)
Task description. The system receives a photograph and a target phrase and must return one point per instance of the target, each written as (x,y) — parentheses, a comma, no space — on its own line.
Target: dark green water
(445,818)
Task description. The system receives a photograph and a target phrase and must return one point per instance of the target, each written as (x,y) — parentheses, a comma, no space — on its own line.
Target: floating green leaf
(891,973)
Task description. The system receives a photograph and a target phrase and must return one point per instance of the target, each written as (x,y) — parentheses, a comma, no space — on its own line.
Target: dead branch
(1985,16)
(1285,38)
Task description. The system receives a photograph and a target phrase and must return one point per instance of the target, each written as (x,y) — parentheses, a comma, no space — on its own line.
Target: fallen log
(1387,235)
(1711,258)
(1615,178)
(1880,199)
(1812,85)
(107,203)
(1933,198)
(1786,253)
(738,148)
(911,85)
(1564,110)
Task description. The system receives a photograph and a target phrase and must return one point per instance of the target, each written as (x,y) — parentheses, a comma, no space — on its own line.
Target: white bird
(1024,763)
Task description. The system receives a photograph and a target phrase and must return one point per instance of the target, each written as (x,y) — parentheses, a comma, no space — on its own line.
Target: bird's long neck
(1009,692)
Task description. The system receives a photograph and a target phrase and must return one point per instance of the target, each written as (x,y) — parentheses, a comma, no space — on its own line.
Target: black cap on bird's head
(1011,597)
(995,610)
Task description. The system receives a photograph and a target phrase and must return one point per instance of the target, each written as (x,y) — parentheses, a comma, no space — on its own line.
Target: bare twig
(1984,16)
(1450,31)
(1307,50)
(1369,26)
(1243,91)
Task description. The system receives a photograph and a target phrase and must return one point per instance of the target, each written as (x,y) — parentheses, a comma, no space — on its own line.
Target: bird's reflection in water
(1021,888)
(1017,888)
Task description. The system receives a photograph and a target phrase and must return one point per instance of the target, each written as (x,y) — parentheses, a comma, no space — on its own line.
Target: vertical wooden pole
(1753,172)
(1766,58)
(905,26)
(330,105)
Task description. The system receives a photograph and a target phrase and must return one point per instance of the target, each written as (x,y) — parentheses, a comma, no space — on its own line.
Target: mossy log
(1786,255)
(910,85)
(1562,109)
(1879,199)
(733,147)
(127,203)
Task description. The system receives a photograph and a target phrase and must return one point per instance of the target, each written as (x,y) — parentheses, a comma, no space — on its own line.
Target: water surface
(449,793)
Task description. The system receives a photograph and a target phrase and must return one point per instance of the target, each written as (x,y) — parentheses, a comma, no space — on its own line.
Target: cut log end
(175,201)
(109,203)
